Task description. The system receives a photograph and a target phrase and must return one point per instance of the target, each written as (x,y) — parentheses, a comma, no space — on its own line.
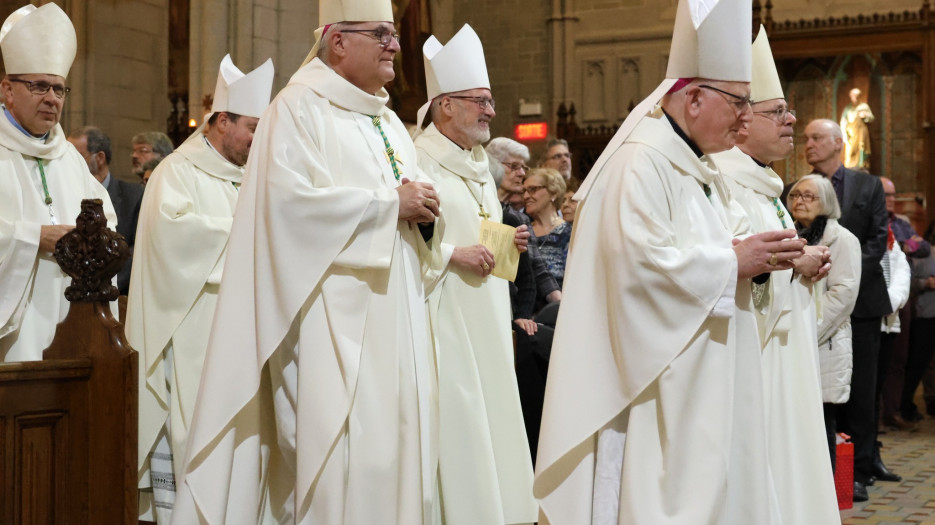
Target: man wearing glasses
(648,417)
(558,157)
(785,312)
(147,146)
(484,466)
(863,213)
(317,402)
(45,178)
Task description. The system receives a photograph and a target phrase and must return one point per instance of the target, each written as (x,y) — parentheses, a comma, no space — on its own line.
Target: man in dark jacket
(94,145)
(863,213)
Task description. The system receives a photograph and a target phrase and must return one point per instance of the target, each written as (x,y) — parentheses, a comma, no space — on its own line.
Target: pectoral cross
(483,213)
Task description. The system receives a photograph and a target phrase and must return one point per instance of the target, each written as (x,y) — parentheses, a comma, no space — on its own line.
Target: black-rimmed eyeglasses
(739,103)
(482,102)
(41,87)
(778,114)
(806,197)
(381,35)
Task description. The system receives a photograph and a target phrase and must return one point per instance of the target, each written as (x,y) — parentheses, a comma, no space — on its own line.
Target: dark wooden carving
(91,255)
(68,423)
(585,144)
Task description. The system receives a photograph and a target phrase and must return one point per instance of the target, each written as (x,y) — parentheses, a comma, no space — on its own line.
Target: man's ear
(6,89)
(223,121)
(693,100)
(336,40)
(446,105)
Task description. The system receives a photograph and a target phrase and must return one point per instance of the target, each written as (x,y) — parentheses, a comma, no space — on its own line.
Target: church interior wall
(601,55)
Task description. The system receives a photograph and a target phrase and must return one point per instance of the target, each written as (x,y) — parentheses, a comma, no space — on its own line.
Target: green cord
(389,150)
(45,187)
(779,212)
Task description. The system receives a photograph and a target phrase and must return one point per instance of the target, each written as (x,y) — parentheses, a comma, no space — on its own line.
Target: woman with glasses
(816,211)
(543,192)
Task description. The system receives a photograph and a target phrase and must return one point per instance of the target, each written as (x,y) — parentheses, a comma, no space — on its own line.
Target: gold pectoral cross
(483,213)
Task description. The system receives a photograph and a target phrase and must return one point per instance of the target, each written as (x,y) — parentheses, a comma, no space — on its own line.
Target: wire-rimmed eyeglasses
(739,103)
(779,114)
(381,35)
(516,166)
(482,102)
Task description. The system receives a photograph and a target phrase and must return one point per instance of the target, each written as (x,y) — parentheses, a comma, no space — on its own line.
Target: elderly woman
(543,192)
(512,156)
(815,207)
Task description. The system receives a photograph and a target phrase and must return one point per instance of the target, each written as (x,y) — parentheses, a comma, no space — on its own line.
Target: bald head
(824,142)
(889,191)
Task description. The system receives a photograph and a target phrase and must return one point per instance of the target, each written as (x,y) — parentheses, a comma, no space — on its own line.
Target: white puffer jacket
(836,298)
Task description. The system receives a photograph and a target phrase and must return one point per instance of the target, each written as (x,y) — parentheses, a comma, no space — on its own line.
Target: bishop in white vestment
(485,469)
(653,408)
(185,221)
(43,182)
(785,312)
(317,402)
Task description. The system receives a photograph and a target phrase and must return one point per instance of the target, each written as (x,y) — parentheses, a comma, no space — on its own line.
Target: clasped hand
(767,252)
(418,201)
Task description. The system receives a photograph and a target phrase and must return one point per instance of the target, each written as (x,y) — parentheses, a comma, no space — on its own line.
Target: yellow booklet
(498,238)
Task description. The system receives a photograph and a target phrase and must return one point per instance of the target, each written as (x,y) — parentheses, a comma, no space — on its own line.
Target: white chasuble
(185,221)
(650,392)
(317,402)
(485,469)
(796,441)
(32,286)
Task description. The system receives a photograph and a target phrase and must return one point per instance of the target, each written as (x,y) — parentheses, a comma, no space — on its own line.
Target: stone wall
(602,55)
(251,31)
(118,79)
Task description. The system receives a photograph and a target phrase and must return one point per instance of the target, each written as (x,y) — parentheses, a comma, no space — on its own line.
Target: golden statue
(854,120)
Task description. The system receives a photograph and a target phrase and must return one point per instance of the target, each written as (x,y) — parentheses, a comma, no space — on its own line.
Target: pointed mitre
(765,82)
(456,66)
(711,39)
(459,65)
(242,94)
(38,40)
(334,11)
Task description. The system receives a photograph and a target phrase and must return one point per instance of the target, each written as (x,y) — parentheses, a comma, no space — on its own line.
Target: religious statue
(854,120)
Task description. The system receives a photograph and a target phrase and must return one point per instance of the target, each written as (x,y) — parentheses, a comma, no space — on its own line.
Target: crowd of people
(343,320)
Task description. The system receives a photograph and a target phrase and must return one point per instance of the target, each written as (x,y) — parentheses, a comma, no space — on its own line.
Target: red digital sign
(531,131)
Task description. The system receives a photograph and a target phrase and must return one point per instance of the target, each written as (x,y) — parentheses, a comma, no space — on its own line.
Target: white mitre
(764,84)
(459,65)
(246,95)
(334,11)
(711,39)
(38,41)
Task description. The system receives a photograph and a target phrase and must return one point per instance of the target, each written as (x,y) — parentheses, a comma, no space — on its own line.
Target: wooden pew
(68,423)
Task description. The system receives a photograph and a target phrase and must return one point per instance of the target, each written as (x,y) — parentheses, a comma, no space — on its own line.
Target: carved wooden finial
(91,255)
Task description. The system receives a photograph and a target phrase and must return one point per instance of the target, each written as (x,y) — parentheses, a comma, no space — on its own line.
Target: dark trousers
(532,368)
(895,374)
(858,416)
(921,345)
(884,358)
(830,410)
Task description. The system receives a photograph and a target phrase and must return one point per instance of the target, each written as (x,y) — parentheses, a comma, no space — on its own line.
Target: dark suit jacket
(863,213)
(126,198)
